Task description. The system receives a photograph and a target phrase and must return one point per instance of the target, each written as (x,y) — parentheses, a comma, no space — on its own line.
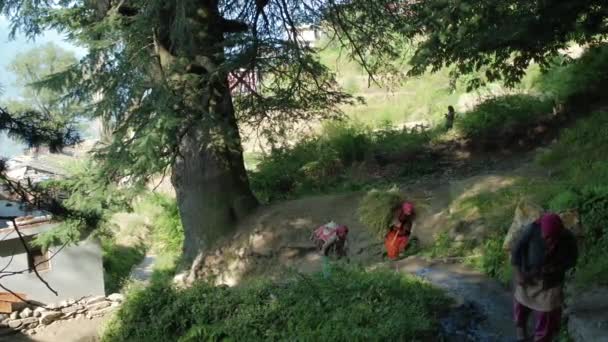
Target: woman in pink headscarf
(543,253)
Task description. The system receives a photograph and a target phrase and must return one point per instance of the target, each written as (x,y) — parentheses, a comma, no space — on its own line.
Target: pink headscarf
(551,225)
(342,231)
(407,208)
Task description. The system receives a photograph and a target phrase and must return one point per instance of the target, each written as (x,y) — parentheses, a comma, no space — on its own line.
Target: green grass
(352,304)
(375,209)
(118,261)
(578,181)
(417,98)
(326,162)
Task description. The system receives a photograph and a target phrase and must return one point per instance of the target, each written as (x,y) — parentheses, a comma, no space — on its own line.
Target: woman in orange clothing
(397,238)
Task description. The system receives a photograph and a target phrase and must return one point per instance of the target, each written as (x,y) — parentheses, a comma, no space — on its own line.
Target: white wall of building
(76,271)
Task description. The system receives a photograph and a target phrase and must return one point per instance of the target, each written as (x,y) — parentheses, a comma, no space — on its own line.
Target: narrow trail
(482,311)
(143,271)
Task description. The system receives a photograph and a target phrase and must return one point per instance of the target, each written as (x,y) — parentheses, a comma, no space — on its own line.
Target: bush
(494,261)
(167,233)
(585,76)
(501,114)
(376,209)
(322,163)
(351,305)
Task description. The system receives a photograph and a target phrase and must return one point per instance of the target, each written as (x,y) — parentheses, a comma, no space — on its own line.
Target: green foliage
(494,261)
(376,209)
(118,261)
(166,231)
(88,201)
(502,114)
(497,41)
(584,76)
(351,305)
(321,163)
(34,66)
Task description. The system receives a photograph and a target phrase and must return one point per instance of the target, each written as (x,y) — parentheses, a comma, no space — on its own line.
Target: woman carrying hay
(397,238)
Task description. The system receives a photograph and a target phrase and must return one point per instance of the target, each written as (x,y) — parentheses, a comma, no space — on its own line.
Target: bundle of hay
(376,209)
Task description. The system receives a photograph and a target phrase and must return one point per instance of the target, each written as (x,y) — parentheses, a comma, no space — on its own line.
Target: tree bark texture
(209,176)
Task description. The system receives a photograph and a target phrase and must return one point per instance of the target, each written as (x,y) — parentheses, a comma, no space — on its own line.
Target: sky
(8,49)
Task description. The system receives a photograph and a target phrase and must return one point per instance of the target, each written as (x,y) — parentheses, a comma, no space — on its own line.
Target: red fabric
(395,242)
(547,323)
(342,231)
(551,225)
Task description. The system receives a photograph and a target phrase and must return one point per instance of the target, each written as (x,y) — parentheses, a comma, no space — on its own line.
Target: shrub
(167,233)
(585,76)
(494,261)
(322,163)
(501,114)
(376,209)
(350,305)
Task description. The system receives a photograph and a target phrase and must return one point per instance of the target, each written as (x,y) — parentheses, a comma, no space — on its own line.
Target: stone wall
(31,319)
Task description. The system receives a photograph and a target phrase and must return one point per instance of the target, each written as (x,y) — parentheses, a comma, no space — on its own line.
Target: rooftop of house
(30,222)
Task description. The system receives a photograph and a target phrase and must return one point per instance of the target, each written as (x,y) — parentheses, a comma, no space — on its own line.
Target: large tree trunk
(210,181)
(209,174)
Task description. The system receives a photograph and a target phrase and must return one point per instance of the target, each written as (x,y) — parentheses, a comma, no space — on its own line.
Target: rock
(525,213)
(14,315)
(79,316)
(14,324)
(38,311)
(71,309)
(96,299)
(69,315)
(71,301)
(29,320)
(51,306)
(49,317)
(99,313)
(27,312)
(98,306)
(3,317)
(116,297)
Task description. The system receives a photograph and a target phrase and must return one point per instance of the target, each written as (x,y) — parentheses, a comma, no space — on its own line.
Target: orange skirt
(395,243)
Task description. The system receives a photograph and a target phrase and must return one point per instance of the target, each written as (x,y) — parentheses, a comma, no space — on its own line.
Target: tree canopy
(33,66)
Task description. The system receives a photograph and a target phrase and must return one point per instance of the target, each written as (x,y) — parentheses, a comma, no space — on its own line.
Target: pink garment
(547,322)
(551,225)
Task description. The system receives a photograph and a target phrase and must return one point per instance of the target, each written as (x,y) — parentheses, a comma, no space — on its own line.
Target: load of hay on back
(376,209)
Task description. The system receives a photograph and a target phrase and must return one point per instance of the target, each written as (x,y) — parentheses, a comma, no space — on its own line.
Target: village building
(74,271)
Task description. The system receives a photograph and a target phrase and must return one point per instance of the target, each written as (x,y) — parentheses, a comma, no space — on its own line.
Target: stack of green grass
(376,209)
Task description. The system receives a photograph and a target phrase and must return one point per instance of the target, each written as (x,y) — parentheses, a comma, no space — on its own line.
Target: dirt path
(144,270)
(483,310)
(76,330)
